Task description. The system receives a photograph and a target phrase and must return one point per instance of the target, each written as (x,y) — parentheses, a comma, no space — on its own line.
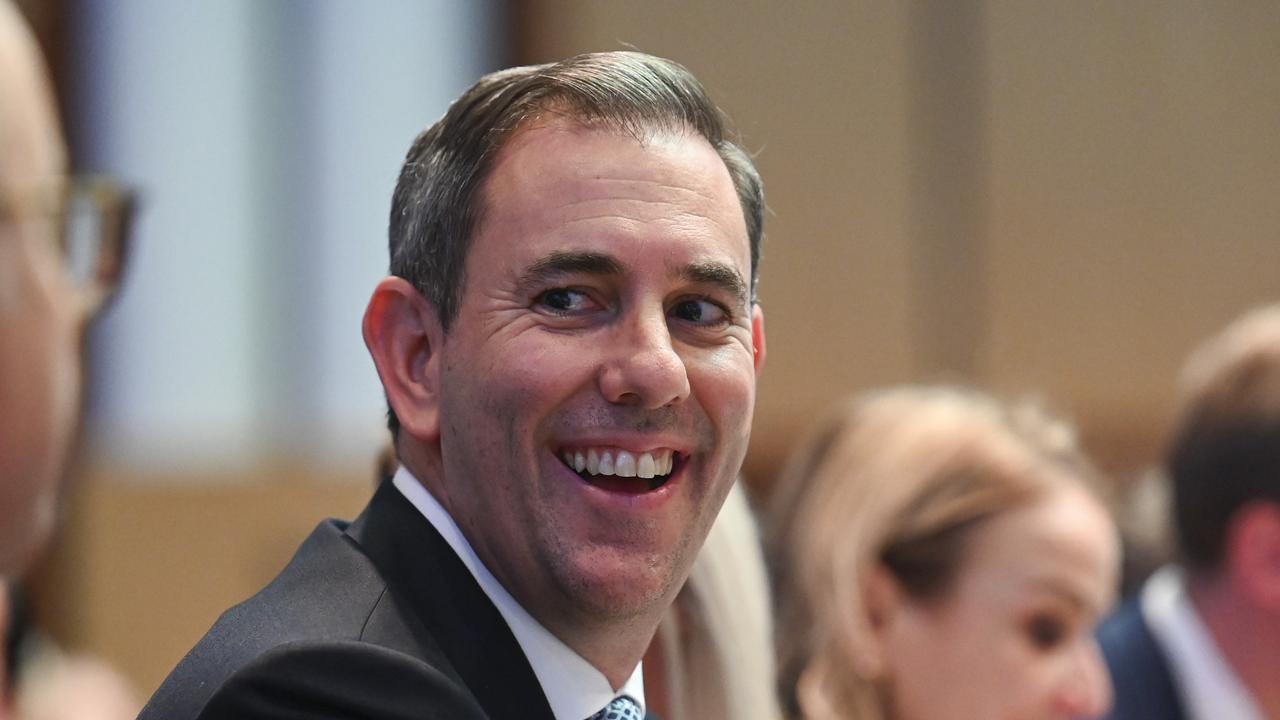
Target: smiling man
(569,344)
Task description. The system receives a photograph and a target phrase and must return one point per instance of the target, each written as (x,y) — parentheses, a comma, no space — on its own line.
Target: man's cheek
(731,394)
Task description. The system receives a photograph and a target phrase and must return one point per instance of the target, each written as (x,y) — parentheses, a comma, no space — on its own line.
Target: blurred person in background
(1201,641)
(713,656)
(60,252)
(940,555)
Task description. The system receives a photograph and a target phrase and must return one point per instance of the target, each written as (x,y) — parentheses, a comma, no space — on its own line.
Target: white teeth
(645,467)
(625,465)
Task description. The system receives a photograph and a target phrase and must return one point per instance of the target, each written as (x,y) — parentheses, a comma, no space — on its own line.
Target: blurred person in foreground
(569,344)
(713,656)
(50,683)
(940,555)
(60,257)
(42,313)
(1201,641)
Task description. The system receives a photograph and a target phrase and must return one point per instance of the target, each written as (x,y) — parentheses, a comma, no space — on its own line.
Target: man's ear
(757,335)
(403,333)
(1253,552)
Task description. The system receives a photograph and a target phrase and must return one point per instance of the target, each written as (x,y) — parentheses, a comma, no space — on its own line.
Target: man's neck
(615,649)
(1247,636)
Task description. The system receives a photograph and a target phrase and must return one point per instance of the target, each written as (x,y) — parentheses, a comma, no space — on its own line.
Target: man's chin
(624,585)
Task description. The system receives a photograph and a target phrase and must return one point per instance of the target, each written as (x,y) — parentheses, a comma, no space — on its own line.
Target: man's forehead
(562,188)
(566,150)
(568,124)
(548,167)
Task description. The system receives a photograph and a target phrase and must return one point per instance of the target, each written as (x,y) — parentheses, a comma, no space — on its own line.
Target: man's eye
(564,300)
(1046,632)
(700,311)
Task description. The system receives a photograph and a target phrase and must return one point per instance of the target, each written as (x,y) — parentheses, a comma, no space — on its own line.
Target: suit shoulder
(328,591)
(340,679)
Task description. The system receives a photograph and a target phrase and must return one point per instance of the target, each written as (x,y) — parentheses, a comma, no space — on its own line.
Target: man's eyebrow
(1065,593)
(562,263)
(717,273)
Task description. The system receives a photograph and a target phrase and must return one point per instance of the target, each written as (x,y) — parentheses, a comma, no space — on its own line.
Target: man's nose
(1085,689)
(642,367)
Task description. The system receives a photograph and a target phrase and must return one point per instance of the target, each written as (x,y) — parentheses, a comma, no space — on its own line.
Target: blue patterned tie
(622,708)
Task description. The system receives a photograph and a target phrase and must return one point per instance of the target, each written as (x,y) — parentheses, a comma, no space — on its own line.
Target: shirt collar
(1209,688)
(575,689)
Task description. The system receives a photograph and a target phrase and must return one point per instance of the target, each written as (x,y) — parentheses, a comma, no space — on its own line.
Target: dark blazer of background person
(573,254)
(1142,686)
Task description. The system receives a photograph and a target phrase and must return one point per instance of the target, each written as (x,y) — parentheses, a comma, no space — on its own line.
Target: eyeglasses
(87,218)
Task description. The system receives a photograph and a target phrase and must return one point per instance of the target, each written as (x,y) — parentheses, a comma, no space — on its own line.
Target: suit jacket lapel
(430,582)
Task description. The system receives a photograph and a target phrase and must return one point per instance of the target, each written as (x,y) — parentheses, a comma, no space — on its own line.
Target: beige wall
(1060,197)
(1134,177)
(1046,197)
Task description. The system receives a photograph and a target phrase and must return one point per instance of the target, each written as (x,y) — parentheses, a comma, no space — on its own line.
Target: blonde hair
(896,479)
(717,638)
(1237,372)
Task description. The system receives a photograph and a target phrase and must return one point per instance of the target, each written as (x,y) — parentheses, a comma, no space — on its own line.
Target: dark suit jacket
(378,619)
(1143,686)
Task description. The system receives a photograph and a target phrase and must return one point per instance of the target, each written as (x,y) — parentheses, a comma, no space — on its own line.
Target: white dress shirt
(575,689)
(1209,688)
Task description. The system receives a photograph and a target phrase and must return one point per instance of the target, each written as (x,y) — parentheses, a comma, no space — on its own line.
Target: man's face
(40,313)
(605,329)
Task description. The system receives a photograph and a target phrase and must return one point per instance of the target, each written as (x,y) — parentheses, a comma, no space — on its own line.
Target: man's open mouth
(622,471)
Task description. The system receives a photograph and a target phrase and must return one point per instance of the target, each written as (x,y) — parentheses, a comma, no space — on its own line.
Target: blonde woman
(939,555)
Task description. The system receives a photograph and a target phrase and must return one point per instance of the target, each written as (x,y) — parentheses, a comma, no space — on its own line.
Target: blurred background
(1048,198)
